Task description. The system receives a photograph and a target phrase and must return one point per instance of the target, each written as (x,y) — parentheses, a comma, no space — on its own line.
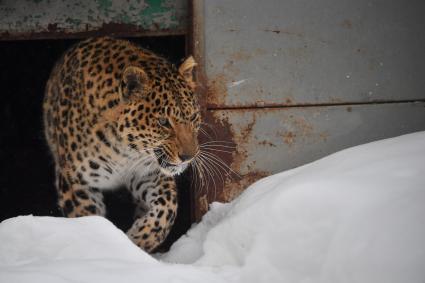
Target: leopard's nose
(185,157)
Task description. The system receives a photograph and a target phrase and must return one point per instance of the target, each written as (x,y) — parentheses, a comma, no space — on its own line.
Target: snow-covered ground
(355,216)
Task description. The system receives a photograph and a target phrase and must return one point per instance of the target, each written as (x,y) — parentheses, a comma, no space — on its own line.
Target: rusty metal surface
(277,53)
(288,82)
(74,18)
(272,140)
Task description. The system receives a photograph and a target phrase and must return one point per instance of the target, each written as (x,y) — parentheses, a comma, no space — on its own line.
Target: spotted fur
(115,115)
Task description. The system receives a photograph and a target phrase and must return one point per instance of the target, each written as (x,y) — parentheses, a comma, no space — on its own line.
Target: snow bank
(355,216)
(89,249)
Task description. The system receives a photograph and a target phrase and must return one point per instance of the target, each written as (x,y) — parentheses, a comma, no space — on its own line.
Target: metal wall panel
(272,140)
(51,18)
(290,52)
(288,82)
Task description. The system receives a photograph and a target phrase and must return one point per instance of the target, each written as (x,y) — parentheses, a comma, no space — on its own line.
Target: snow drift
(355,216)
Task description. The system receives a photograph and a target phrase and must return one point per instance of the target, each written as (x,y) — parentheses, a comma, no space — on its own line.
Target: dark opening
(26,167)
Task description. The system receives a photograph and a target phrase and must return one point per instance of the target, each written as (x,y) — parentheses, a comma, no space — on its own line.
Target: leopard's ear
(186,70)
(134,83)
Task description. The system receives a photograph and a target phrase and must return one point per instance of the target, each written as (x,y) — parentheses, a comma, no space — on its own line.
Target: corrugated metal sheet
(52,18)
(288,82)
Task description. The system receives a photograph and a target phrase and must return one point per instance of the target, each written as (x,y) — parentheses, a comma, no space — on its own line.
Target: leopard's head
(160,113)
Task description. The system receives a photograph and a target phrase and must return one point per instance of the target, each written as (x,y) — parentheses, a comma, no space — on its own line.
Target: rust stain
(217,91)
(234,184)
(251,166)
(266,143)
(235,188)
(289,101)
(213,95)
(217,129)
(241,139)
(260,103)
(289,138)
(238,158)
(300,129)
(247,131)
(303,126)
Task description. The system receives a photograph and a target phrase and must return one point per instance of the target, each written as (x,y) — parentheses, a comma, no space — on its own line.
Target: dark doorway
(26,168)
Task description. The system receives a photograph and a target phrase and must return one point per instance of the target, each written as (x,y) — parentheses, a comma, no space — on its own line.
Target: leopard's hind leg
(77,199)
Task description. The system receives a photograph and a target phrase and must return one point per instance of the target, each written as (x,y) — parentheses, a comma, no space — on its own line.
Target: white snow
(355,216)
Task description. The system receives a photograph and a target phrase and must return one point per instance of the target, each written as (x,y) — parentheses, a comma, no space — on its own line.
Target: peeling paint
(20,18)
(104,5)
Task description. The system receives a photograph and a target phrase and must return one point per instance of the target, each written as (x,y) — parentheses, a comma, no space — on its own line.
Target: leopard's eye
(164,122)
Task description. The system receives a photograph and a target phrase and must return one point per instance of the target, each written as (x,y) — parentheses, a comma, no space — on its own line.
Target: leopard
(118,115)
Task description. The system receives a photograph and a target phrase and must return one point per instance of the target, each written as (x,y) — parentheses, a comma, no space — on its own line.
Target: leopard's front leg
(159,195)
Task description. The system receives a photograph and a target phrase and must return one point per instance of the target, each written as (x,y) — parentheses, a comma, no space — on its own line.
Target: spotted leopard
(119,115)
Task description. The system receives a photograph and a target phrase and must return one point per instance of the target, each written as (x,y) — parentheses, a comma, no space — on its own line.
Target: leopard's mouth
(166,166)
